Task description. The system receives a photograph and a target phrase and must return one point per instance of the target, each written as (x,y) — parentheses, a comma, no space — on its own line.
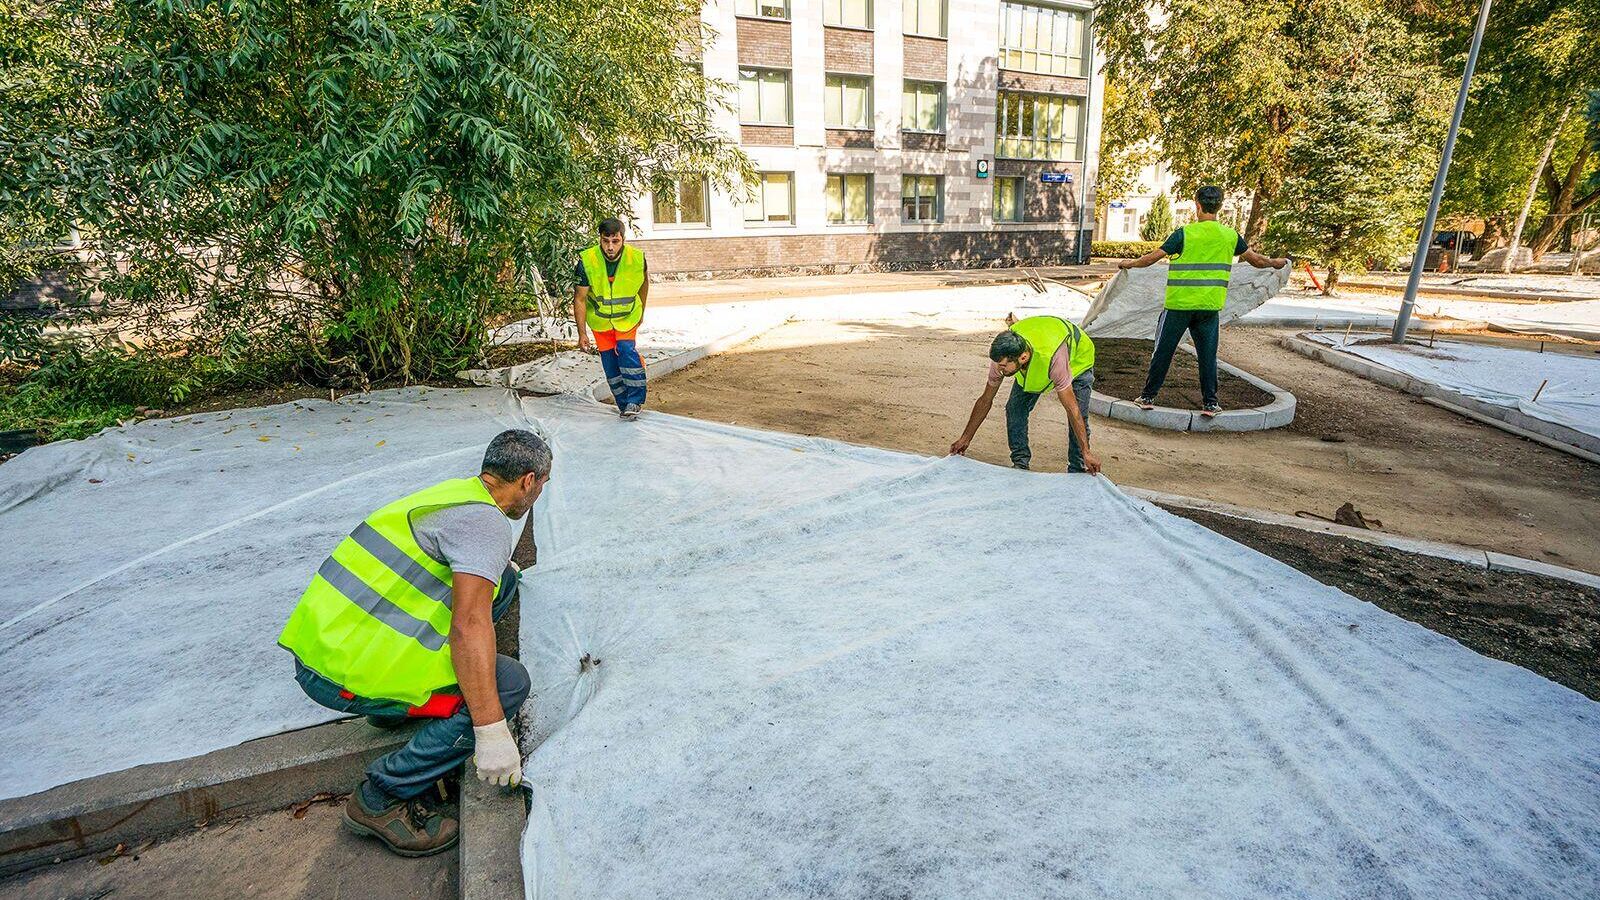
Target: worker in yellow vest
(1197,289)
(613,284)
(398,625)
(1043,354)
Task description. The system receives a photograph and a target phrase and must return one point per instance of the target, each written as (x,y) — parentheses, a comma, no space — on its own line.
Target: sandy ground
(1422,471)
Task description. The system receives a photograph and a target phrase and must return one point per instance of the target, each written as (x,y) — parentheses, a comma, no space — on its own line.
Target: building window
(919,197)
(922,106)
(1008,199)
(849,199)
(764,97)
(682,204)
(774,200)
(847,101)
(924,17)
(848,13)
(1038,126)
(1036,39)
(765,9)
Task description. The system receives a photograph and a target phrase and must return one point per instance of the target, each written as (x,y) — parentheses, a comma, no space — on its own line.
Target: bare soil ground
(1121,364)
(1424,472)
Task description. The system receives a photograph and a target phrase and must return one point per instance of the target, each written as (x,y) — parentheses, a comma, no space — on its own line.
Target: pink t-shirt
(1060,369)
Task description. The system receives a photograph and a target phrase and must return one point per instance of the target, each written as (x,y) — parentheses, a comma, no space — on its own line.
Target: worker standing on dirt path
(398,625)
(1041,352)
(1197,289)
(613,284)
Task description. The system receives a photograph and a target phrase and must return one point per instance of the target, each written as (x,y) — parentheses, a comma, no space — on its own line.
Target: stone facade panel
(856,252)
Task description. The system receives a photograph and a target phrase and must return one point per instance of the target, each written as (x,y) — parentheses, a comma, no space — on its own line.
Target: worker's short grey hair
(1007,345)
(513,454)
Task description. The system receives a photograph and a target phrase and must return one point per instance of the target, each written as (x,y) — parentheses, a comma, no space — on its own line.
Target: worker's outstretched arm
(1264,262)
(980,411)
(1091,463)
(472,651)
(580,296)
(1149,259)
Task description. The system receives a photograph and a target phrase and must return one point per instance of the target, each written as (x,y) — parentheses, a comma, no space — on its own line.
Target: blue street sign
(1055,178)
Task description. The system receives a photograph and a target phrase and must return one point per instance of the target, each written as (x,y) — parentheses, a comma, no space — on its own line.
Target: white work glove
(496,755)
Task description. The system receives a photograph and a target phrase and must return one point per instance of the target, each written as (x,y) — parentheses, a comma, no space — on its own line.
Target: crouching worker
(398,625)
(1043,353)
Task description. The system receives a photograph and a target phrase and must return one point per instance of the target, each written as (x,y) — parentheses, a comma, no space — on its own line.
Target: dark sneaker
(1210,410)
(1146,402)
(415,827)
(631,411)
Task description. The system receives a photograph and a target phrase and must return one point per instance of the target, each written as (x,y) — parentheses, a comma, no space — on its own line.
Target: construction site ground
(1421,471)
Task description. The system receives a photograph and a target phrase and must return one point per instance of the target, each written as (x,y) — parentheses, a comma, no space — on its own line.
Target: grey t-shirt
(472,539)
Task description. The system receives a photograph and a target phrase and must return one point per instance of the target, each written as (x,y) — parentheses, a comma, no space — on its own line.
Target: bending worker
(1197,289)
(613,284)
(1043,353)
(398,625)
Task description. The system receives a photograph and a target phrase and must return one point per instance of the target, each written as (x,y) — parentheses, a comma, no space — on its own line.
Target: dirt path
(1422,471)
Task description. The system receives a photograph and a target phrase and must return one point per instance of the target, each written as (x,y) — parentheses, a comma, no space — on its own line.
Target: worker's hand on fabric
(959,448)
(1281,262)
(1091,463)
(496,755)
(1126,264)
(583,341)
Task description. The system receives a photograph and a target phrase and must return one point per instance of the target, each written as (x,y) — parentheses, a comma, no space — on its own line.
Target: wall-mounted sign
(1055,177)
(1117,204)
(983,168)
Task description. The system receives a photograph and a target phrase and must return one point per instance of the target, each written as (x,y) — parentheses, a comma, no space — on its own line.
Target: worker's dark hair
(610,226)
(1209,198)
(1007,345)
(513,454)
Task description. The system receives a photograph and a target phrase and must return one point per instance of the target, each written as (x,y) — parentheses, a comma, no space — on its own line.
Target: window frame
(1016,182)
(843,178)
(944,19)
(678,182)
(788,11)
(917,197)
(1034,107)
(788,94)
(842,77)
(829,5)
(765,221)
(1037,11)
(943,100)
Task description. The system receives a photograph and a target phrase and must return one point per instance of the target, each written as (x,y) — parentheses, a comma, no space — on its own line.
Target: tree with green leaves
(1360,168)
(365,181)
(1159,222)
(1128,130)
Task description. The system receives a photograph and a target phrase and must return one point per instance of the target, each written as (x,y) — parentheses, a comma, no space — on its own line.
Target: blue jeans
(624,373)
(440,745)
(1020,405)
(1203,327)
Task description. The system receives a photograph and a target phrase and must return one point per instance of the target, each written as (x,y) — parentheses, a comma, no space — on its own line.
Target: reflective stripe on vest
(1045,335)
(1199,279)
(613,303)
(376,617)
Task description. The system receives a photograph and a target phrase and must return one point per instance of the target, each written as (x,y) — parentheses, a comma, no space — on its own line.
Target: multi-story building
(893,134)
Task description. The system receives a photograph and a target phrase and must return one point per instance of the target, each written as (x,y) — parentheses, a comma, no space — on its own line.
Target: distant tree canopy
(364,180)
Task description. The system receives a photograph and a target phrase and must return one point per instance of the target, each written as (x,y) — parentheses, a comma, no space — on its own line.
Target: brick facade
(851,137)
(921,141)
(857,252)
(763,42)
(1045,202)
(1043,84)
(847,50)
(766,135)
(927,59)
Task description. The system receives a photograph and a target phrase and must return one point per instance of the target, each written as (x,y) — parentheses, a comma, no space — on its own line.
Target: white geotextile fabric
(147,570)
(1503,376)
(673,331)
(1130,304)
(822,670)
(1570,318)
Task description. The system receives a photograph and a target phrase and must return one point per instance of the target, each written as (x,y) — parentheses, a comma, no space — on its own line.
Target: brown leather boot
(414,827)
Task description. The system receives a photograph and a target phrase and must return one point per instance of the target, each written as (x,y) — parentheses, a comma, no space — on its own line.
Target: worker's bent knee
(511,677)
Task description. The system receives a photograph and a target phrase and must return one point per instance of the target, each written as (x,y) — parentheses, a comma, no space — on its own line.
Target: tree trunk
(1564,203)
(1330,284)
(1494,234)
(1256,224)
(1533,188)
